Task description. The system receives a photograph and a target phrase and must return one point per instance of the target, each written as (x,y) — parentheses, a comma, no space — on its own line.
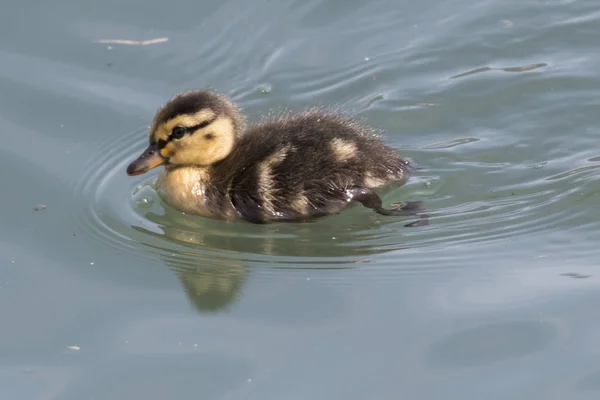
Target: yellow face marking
(266,189)
(343,150)
(373,181)
(197,149)
(163,131)
(168,150)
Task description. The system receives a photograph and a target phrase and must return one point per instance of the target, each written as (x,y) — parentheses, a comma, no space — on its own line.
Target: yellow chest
(185,189)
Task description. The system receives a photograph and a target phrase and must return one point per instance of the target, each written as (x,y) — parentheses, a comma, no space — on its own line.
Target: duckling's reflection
(211,257)
(210,285)
(211,289)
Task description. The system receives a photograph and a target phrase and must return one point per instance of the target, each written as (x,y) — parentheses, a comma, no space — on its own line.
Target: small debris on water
(91,263)
(74,348)
(40,207)
(538,165)
(520,68)
(575,275)
(144,202)
(132,42)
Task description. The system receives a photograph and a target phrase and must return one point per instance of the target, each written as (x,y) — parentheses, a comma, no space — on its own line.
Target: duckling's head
(197,128)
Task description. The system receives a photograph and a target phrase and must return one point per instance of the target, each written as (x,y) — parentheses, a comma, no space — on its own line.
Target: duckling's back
(303,166)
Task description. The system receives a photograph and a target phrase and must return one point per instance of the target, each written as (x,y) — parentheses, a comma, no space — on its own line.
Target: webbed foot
(370,199)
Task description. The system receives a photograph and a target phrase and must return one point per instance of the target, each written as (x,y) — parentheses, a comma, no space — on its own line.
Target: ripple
(125,214)
(519,68)
(489,344)
(590,383)
(99,179)
(308,84)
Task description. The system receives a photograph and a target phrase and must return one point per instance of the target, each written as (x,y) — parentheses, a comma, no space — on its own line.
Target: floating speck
(249,380)
(367,58)
(91,263)
(428,184)
(575,275)
(144,202)
(133,42)
(538,165)
(195,344)
(74,348)
(40,207)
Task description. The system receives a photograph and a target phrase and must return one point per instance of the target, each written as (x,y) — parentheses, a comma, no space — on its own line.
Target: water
(107,293)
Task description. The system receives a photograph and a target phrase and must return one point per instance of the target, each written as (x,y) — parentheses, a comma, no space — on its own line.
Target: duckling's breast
(187,189)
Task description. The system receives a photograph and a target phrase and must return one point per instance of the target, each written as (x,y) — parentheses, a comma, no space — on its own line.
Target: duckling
(293,167)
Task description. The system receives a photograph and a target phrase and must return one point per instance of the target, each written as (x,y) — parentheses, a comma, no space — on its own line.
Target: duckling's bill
(150,158)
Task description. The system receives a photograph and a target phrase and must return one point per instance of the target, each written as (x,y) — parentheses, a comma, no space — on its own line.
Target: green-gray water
(106,293)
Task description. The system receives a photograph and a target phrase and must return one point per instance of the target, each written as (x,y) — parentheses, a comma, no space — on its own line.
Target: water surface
(107,293)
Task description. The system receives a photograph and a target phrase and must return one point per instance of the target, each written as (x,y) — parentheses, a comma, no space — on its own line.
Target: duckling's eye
(178,132)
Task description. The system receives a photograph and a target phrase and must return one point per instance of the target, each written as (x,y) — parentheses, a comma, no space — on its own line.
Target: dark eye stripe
(189,130)
(204,124)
